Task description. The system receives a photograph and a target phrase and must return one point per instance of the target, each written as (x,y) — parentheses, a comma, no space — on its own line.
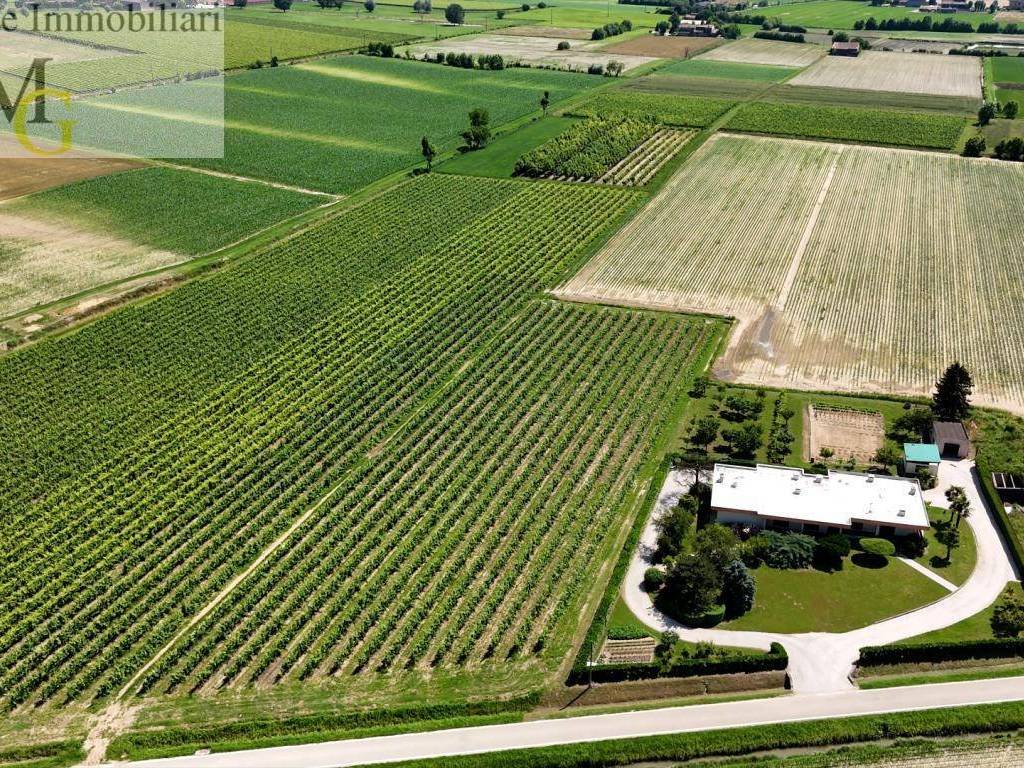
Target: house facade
(769,497)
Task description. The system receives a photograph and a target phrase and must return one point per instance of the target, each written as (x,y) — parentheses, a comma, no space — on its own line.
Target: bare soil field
(664,47)
(848,268)
(897,72)
(42,260)
(24,176)
(848,434)
(752,51)
(557,33)
(530,50)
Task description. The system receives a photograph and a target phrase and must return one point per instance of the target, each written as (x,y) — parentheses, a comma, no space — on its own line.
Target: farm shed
(952,439)
(1010,487)
(846,49)
(921,455)
(788,498)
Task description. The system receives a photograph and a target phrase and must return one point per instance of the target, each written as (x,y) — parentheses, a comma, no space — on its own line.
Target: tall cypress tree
(951,401)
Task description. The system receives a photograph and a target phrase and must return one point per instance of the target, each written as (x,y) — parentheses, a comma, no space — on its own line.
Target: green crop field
(841,14)
(498,159)
(1008,69)
(728,70)
(72,238)
(165,450)
(875,126)
(688,111)
(816,250)
(336,125)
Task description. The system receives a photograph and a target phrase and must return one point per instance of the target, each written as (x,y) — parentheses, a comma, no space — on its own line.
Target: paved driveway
(822,662)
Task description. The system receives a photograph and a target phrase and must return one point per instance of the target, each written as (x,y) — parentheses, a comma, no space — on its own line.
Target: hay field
(531,50)
(751,51)
(848,268)
(897,72)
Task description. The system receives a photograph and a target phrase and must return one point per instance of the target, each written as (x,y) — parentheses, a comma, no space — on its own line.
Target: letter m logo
(36,73)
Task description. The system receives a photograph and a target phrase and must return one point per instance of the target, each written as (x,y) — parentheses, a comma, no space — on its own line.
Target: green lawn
(983,673)
(814,601)
(977,627)
(841,14)
(587,14)
(728,70)
(498,159)
(960,566)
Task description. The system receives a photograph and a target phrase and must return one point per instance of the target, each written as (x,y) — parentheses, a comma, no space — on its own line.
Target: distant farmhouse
(691,26)
(846,49)
(790,499)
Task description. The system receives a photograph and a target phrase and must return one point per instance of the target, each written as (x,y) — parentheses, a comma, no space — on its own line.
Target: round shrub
(788,550)
(654,578)
(564,45)
(830,551)
(878,547)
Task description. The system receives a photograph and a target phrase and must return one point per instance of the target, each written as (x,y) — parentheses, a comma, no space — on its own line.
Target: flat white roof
(837,499)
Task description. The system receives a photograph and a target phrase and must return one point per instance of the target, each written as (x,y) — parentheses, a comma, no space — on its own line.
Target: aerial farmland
(442,388)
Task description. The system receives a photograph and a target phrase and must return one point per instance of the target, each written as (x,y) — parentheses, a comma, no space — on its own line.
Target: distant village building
(790,499)
(921,456)
(846,49)
(696,28)
(952,439)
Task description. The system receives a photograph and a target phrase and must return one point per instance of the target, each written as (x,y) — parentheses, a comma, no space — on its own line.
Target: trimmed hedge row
(992,497)
(982,718)
(253,729)
(69,749)
(996,648)
(774,661)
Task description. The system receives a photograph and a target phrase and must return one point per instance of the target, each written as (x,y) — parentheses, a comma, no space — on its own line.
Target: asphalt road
(539,733)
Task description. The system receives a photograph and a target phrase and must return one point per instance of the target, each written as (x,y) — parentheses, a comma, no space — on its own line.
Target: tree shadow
(866,560)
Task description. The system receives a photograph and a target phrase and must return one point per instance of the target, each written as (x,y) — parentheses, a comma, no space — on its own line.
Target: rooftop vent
(871,478)
(721,478)
(817,480)
(901,513)
(796,491)
(913,491)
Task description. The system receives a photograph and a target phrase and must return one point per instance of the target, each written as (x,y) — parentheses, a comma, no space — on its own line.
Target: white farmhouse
(786,498)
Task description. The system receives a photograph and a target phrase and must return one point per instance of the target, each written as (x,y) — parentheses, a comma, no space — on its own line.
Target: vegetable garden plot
(393,300)
(897,72)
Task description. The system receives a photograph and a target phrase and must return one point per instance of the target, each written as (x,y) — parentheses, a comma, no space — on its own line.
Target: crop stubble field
(898,73)
(453,425)
(837,279)
(767,52)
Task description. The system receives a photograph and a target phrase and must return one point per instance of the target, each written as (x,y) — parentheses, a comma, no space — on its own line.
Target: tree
(744,440)
(888,455)
(975,146)
(283,5)
(705,431)
(1008,615)
(369,5)
(692,586)
(654,578)
(1010,110)
(674,527)
(717,545)
(949,537)
(545,100)
(455,14)
(830,550)
(951,401)
(986,113)
(479,128)
(613,68)
(239,3)
(738,589)
(428,151)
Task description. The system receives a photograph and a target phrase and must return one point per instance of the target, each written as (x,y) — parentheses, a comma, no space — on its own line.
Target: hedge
(911,653)
(954,721)
(775,660)
(254,729)
(992,497)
